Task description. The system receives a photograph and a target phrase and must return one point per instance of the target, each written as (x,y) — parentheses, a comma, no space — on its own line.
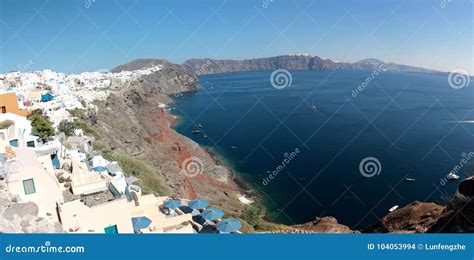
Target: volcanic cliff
(135,123)
(135,127)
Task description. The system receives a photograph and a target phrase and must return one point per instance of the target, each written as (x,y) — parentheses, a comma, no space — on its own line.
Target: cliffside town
(95,153)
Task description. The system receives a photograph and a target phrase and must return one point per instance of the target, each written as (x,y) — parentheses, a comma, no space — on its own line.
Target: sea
(348,144)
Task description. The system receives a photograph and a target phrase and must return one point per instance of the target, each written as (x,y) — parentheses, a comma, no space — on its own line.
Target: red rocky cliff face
(134,123)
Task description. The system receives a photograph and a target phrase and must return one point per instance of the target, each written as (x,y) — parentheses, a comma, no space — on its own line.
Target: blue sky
(88,35)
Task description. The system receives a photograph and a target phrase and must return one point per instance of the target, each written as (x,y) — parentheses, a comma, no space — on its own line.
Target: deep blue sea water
(408,121)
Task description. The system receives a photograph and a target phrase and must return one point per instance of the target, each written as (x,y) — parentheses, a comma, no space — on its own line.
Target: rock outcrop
(324,225)
(458,216)
(417,217)
(23,217)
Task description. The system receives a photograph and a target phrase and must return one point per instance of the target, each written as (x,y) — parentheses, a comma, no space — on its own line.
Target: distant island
(288,62)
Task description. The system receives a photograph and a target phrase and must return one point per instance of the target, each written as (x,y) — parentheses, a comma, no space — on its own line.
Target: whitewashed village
(52,179)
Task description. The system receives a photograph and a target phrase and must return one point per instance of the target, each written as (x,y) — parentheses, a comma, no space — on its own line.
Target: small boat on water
(233,147)
(196,132)
(452,176)
(410,180)
(392,209)
(199,125)
(313,107)
(205,136)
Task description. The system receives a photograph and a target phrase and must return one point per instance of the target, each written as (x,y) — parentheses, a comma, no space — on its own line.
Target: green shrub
(149,176)
(78,113)
(41,124)
(252,215)
(67,127)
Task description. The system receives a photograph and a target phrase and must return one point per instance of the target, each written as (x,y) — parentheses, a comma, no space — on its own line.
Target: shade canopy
(99,169)
(229,225)
(140,222)
(198,204)
(172,204)
(47,97)
(212,214)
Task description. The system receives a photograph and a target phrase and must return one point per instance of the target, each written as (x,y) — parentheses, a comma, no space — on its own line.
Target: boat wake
(462,122)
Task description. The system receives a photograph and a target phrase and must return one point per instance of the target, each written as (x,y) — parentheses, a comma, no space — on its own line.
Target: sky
(89,35)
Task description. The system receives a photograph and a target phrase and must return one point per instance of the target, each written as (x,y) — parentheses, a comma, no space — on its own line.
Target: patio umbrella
(99,169)
(140,222)
(172,204)
(229,225)
(198,204)
(212,214)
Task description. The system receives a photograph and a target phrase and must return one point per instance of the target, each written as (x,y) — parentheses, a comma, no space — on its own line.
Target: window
(4,109)
(29,186)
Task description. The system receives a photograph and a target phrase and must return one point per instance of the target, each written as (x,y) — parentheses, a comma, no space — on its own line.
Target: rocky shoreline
(167,150)
(244,187)
(417,217)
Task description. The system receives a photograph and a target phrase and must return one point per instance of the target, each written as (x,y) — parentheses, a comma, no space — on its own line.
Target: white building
(19,134)
(29,181)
